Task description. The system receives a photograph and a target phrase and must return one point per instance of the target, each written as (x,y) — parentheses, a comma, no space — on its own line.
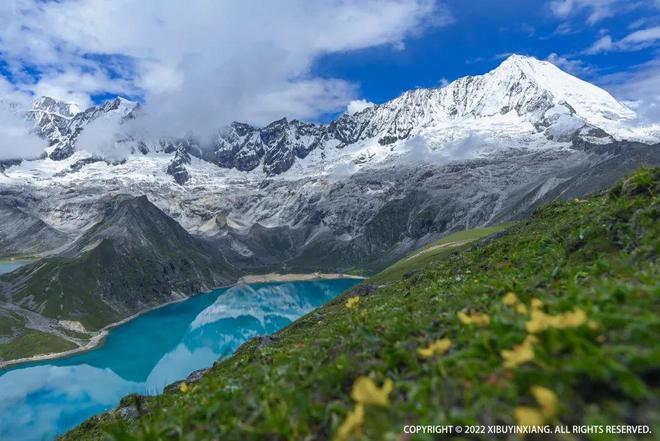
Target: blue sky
(485,32)
(201,64)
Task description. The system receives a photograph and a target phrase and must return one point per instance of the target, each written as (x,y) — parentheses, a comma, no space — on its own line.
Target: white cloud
(16,141)
(202,64)
(570,65)
(101,138)
(640,39)
(634,41)
(444,82)
(640,88)
(356,106)
(596,10)
(603,44)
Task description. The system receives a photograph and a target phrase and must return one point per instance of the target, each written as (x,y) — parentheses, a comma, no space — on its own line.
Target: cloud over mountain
(217,60)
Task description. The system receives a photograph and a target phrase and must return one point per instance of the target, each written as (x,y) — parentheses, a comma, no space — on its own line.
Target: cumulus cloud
(199,65)
(102,138)
(16,140)
(634,41)
(356,106)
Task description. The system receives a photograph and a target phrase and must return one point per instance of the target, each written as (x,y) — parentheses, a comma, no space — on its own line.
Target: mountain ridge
(522,96)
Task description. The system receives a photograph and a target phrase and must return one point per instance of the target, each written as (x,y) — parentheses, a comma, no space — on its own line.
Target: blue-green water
(9,266)
(41,400)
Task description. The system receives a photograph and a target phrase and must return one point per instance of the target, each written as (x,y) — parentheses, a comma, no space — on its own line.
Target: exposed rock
(263,341)
(177,167)
(131,407)
(364,289)
(193,378)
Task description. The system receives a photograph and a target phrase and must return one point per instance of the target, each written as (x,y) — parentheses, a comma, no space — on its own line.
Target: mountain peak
(52,105)
(590,102)
(532,68)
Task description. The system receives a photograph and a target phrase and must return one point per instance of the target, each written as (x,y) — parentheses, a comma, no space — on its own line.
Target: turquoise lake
(40,400)
(9,266)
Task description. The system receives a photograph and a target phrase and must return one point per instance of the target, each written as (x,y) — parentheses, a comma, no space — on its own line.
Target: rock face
(23,234)
(177,167)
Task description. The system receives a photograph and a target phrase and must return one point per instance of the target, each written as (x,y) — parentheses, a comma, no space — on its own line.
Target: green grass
(597,256)
(423,256)
(32,343)
(9,323)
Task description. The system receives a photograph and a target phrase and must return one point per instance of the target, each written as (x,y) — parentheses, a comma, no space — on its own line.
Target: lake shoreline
(97,340)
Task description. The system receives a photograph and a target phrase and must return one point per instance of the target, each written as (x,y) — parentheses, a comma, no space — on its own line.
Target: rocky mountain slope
(24,234)
(135,258)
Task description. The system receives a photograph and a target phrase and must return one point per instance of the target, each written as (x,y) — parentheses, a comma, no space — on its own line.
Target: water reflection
(41,400)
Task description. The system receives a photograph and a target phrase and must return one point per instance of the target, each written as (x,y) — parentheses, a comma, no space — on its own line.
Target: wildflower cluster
(437,347)
(537,416)
(477,319)
(364,393)
(353,302)
(519,354)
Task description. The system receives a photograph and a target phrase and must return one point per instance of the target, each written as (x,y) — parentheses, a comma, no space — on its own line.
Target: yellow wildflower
(510,299)
(352,423)
(519,354)
(570,319)
(438,347)
(540,321)
(476,318)
(365,391)
(593,325)
(352,302)
(547,399)
(521,308)
(537,304)
(530,340)
(528,416)
(183,387)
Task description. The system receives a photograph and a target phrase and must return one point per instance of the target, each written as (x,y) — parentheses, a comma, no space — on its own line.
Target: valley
(445,199)
(174,217)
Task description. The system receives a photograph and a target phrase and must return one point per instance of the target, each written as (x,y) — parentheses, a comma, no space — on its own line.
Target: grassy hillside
(423,256)
(555,321)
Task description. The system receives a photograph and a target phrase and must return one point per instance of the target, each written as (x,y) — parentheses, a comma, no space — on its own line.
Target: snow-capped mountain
(375,183)
(523,103)
(51,118)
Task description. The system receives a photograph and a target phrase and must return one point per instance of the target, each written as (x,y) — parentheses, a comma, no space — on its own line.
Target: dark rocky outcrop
(177,167)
